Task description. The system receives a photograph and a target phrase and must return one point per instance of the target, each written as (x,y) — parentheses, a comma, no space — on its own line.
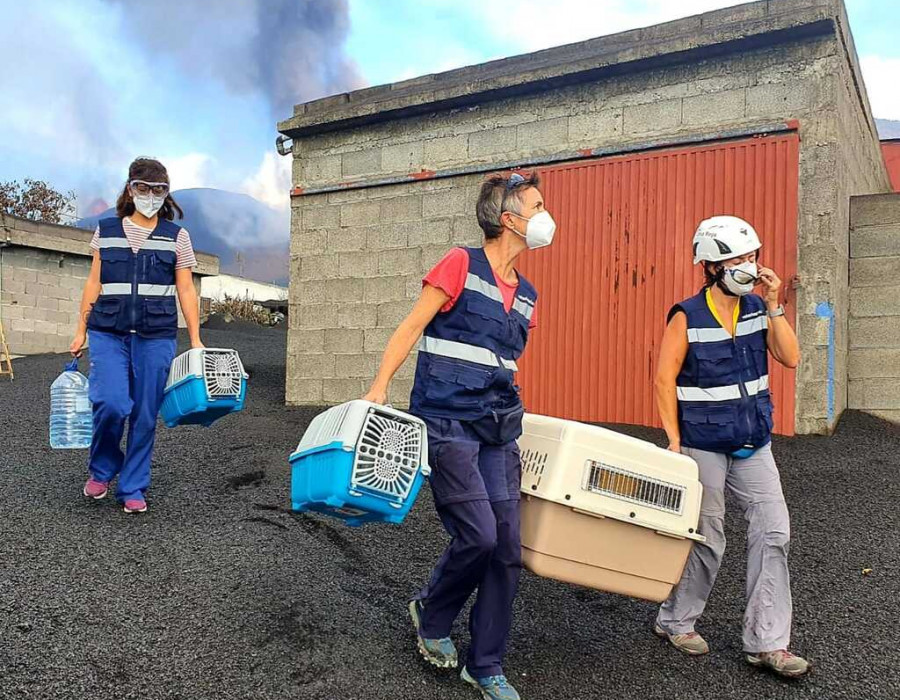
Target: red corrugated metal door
(622,257)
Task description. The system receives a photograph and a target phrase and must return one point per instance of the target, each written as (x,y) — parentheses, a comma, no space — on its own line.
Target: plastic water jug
(71,422)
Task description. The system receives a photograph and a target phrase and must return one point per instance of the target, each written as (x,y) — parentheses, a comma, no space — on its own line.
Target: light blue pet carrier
(360,462)
(204,385)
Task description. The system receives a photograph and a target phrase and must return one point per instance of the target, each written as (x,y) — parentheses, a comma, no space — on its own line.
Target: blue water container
(71,415)
(204,384)
(360,462)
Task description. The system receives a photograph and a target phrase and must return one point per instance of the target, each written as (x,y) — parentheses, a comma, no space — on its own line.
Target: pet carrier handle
(72,366)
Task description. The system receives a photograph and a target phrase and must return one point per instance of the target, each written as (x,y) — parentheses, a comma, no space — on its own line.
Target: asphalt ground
(219,591)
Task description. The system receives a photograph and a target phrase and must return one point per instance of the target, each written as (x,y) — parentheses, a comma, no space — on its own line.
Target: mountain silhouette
(250,238)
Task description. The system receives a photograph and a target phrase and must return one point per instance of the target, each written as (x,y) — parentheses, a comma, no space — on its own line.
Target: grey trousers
(756,485)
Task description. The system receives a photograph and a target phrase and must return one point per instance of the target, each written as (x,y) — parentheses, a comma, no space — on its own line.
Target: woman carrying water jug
(142,260)
(473,319)
(712,390)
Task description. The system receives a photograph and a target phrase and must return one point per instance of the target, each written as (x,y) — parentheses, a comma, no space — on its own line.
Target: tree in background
(37,201)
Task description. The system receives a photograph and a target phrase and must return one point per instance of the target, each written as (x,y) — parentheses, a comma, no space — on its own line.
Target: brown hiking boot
(782,662)
(691,643)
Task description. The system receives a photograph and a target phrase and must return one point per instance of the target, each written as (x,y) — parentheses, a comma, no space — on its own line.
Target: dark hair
(497,196)
(709,279)
(152,171)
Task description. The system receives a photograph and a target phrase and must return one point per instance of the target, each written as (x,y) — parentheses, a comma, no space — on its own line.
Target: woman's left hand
(197,345)
(771,284)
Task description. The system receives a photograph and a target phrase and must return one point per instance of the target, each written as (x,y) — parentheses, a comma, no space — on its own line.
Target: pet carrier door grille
(223,373)
(634,488)
(388,455)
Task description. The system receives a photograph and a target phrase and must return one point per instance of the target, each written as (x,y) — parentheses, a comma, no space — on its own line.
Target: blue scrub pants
(128,376)
(476,491)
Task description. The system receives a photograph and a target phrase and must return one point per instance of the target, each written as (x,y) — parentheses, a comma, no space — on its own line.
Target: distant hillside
(229,224)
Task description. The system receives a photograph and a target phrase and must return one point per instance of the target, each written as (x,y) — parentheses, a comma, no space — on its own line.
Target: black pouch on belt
(500,425)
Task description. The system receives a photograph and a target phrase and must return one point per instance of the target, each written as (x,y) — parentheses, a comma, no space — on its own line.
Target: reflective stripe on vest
(114,243)
(717,335)
(722,393)
(144,290)
(523,307)
(475,284)
(149,244)
(464,351)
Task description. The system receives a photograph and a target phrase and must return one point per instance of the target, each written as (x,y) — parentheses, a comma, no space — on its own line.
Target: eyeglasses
(158,189)
(741,277)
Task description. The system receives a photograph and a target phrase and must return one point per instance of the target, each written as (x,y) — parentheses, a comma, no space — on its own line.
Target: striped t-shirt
(136,235)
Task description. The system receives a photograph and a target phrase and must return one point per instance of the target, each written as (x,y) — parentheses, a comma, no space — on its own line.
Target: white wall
(219,286)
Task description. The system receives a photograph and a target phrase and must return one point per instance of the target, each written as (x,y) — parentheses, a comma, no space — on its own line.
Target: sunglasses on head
(514,181)
(158,189)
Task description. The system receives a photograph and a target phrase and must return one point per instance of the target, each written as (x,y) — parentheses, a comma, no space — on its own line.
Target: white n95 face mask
(148,204)
(539,231)
(740,279)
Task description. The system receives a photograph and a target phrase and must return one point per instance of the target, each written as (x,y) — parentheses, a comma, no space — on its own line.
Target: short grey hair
(495,198)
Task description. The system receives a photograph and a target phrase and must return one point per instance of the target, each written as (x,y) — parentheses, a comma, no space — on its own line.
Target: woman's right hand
(674,446)
(77,347)
(376,395)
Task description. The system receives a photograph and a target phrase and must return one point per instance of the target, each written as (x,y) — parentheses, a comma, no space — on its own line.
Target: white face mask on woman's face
(539,231)
(148,204)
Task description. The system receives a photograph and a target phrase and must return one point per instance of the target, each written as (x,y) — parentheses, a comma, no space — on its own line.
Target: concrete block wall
(40,293)
(840,158)
(874,357)
(357,261)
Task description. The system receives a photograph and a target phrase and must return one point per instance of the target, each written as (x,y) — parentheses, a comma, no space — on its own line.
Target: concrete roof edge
(770,21)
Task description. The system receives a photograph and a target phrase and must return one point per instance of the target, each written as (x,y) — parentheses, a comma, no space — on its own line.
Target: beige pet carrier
(605,510)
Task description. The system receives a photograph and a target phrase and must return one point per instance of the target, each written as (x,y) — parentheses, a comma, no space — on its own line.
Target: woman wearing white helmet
(712,389)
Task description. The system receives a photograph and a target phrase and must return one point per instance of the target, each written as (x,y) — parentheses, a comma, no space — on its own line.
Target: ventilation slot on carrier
(634,488)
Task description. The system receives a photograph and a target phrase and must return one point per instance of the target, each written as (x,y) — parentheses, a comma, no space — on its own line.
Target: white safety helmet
(724,237)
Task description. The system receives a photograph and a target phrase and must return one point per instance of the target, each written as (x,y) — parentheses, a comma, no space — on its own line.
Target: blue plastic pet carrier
(204,385)
(360,462)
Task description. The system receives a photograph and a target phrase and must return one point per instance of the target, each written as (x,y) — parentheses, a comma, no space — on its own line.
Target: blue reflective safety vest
(723,387)
(137,293)
(467,356)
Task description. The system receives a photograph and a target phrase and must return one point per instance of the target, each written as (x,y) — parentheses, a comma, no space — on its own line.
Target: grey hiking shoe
(439,652)
(492,687)
(781,662)
(691,643)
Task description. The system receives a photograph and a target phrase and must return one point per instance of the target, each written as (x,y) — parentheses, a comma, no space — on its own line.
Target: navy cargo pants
(476,491)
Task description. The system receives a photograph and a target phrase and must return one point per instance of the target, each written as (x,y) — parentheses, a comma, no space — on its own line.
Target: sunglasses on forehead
(514,181)
(158,189)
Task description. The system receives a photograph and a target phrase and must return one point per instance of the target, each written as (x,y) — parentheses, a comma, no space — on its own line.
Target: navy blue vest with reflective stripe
(467,356)
(723,386)
(137,293)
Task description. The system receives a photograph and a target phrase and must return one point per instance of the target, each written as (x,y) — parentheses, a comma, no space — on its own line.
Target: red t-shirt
(449,275)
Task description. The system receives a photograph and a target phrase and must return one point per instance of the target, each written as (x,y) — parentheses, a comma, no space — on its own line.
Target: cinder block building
(757,110)
(43,268)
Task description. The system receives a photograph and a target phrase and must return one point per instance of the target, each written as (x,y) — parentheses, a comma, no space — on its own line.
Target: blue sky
(94,83)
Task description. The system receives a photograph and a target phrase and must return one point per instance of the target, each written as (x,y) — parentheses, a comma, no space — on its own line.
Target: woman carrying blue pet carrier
(473,318)
(141,262)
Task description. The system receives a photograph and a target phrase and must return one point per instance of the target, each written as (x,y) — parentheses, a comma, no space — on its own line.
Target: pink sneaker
(135,505)
(96,489)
